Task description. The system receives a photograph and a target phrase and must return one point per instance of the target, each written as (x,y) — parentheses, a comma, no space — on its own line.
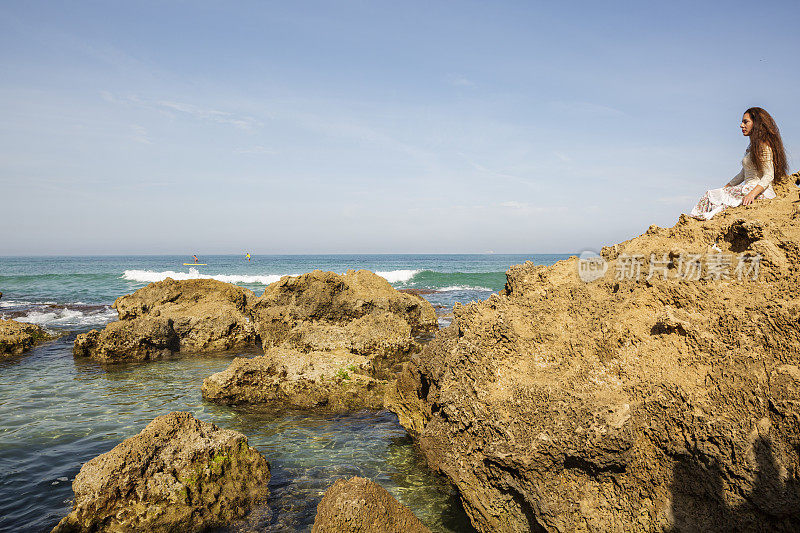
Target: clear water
(57,412)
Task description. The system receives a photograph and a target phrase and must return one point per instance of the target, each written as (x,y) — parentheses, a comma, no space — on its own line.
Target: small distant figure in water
(764,161)
(196,260)
(248,257)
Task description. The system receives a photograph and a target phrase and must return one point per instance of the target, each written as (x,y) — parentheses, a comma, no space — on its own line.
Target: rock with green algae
(331,341)
(359,505)
(177,474)
(283,378)
(141,339)
(19,337)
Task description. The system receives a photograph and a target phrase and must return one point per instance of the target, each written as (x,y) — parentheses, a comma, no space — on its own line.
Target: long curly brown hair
(765,132)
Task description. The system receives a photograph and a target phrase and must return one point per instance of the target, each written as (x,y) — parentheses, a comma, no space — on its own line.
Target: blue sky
(356,127)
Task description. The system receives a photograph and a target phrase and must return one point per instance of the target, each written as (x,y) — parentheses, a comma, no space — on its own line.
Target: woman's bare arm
(752,195)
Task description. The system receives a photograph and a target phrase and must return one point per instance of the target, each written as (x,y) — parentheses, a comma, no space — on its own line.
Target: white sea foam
(463,288)
(13,303)
(149,276)
(398,276)
(69,317)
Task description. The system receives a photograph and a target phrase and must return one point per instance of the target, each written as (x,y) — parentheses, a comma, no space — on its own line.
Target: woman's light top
(749,171)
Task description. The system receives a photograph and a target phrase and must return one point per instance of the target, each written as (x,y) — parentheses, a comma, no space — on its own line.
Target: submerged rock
(623,404)
(178,474)
(359,505)
(18,337)
(196,315)
(285,379)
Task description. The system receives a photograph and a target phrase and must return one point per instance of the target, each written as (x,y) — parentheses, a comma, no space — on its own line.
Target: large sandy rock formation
(286,379)
(329,298)
(624,405)
(331,341)
(359,313)
(18,337)
(197,315)
(359,505)
(178,474)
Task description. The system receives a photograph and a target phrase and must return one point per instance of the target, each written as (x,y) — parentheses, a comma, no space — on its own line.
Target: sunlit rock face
(166,317)
(19,337)
(625,404)
(361,505)
(178,474)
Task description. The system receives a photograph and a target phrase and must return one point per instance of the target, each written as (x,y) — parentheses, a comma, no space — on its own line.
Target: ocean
(57,412)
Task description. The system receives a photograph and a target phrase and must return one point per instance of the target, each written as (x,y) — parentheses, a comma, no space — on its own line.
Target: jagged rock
(139,339)
(359,505)
(178,474)
(335,299)
(18,337)
(358,312)
(283,378)
(625,405)
(330,341)
(385,339)
(204,315)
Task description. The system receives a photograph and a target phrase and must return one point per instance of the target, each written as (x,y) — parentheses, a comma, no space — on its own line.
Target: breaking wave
(149,276)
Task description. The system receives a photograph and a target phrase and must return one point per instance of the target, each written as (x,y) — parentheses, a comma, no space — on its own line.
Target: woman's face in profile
(746,125)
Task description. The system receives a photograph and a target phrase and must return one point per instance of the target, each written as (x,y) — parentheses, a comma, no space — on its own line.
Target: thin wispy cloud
(530,208)
(140,134)
(459,81)
(685,200)
(585,109)
(255,150)
(173,107)
(213,115)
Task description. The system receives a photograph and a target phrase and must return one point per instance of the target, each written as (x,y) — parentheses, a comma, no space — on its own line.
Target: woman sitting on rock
(763,160)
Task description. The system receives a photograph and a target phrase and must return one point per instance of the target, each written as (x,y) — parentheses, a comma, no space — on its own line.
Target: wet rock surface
(178,474)
(289,379)
(623,404)
(363,506)
(19,337)
(198,315)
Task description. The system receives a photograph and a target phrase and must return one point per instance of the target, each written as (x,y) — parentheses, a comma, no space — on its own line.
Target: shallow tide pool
(57,412)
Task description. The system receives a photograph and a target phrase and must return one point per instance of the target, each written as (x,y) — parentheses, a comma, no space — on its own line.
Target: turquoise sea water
(57,412)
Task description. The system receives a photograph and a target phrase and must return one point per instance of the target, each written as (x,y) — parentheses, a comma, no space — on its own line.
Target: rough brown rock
(358,312)
(18,337)
(282,379)
(318,327)
(139,339)
(624,405)
(335,299)
(202,315)
(178,474)
(385,339)
(359,505)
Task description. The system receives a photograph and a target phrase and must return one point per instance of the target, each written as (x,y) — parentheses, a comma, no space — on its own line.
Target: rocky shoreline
(641,398)
(625,404)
